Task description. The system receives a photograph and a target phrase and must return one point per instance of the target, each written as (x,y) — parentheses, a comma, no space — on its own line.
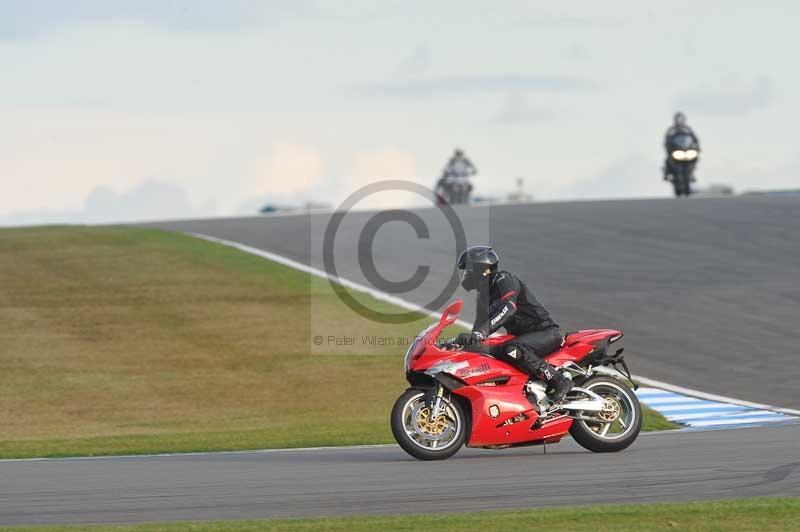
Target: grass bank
(761,514)
(126,341)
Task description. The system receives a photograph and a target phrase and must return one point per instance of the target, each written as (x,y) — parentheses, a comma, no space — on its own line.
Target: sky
(133,110)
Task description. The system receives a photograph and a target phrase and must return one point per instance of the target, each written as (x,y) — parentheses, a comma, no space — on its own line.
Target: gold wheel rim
(611,410)
(434,427)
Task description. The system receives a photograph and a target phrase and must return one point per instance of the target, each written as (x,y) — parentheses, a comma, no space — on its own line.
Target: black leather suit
(505,301)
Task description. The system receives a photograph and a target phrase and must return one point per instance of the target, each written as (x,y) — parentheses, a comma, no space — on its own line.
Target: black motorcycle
(683,154)
(453,190)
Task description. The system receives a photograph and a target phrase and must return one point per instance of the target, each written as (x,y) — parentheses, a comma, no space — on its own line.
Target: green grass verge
(652,420)
(130,341)
(761,514)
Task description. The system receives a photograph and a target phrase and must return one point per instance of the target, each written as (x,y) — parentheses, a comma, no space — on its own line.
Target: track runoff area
(692,409)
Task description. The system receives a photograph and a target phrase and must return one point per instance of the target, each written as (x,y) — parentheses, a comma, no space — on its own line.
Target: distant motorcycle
(460,397)
(453,190)
(683,153)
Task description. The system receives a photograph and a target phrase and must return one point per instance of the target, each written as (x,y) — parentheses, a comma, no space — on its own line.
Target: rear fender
(584,347)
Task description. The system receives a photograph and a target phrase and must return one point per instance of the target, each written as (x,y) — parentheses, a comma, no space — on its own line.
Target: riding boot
(558,384)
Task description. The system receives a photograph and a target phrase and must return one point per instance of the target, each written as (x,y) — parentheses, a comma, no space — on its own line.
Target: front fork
(433,399)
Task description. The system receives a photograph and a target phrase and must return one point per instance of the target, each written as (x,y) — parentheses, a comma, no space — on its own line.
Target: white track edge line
(202,453)
(711,396)
(377,294)
(383,296)
(409,306)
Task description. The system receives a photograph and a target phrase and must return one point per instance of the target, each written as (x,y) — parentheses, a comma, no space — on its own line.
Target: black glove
(471,339)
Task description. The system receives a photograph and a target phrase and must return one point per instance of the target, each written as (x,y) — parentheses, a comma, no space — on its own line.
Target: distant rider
(505,301)
(459,166)
(679,126)
(457,169)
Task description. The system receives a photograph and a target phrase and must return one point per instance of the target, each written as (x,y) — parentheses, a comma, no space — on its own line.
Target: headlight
(446,366)
(691,155)
(679,155)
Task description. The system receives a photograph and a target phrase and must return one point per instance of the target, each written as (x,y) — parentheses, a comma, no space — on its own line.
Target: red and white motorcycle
(464,397)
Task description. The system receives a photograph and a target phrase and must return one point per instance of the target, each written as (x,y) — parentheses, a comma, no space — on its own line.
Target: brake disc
(435,430)
(611,410)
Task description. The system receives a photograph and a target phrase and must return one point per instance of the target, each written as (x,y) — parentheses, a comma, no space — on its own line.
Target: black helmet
(476,263)
(679,119)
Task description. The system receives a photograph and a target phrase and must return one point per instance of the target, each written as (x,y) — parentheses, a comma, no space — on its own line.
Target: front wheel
(615,427)
(425,438)
(682,180)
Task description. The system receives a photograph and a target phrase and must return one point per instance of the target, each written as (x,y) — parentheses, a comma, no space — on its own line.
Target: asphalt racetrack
(670,466)
(707,290)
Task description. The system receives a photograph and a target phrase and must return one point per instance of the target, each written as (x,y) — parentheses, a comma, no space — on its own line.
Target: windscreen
(682,140)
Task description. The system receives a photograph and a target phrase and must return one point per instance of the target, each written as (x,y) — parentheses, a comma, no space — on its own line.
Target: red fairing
(579,344)
(575,347)
(501,413)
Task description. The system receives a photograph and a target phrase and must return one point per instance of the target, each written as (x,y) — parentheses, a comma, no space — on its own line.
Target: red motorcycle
(462,397)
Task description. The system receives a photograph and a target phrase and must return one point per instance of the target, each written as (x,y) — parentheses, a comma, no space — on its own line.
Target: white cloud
(149,200)
(288,173)
(32,17)
(199,100)
(631,176)
(383,164)
(292,175)
(51,159)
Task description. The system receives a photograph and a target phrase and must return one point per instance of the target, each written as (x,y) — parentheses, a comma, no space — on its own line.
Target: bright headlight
(679,155)
(691,155)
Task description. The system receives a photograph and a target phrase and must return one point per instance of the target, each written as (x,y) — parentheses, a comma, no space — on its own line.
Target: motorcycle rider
(679,125)
(458,168)
(505,301)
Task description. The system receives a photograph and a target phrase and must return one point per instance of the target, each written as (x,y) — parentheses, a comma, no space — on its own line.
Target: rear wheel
(616,426)
(425,438)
